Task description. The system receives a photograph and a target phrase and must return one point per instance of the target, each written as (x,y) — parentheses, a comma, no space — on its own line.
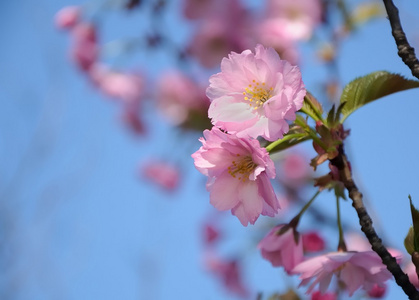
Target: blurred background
(99,195)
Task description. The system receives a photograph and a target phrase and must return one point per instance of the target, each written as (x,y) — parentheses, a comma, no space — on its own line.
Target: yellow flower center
(242,168)
(257,94)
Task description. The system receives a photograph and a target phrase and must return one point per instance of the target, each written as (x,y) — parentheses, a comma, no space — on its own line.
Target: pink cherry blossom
(67,17)
(312,242)
(281,249)
(298,17)
(273,33)
(238,171)
(178,95)
(255,94)
(317,295)
(211,234)
(377,292)
(162,173)
(203,9)
(295,170)
(354,269)
(85,50)
(228,30)
(410,270)
(229,273)
(131,118)
(357,242)
(127,87)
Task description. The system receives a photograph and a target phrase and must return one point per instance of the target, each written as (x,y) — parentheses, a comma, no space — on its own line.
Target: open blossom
(238,173)
(255,94)
(353,269)
(281,249)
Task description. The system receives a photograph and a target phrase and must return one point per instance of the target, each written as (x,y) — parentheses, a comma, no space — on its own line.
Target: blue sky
(79,223)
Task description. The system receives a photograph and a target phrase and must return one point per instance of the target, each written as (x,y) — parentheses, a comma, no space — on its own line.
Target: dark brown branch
(365,221)
(406,52)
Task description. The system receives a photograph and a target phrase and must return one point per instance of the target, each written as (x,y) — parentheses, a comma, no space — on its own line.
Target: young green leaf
(312,107)
(372,87)
(415,218)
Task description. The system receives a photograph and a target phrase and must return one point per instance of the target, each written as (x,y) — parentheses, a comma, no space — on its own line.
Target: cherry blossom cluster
(255,101)
(254,95)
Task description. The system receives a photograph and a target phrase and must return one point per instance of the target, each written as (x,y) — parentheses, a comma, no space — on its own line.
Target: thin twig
(406,52)
(341,162)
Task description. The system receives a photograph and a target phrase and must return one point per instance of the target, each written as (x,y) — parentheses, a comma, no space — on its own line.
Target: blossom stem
(299,136)
(341,245)
(311,132)
(296,219)
(342,164)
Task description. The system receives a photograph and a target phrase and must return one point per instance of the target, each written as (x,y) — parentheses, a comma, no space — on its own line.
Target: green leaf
(371,87)
(415,219)
(312,107)
(408,241)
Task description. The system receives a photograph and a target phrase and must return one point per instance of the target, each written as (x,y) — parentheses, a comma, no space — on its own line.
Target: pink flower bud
(377,291)
(317,295)
(85,49)
(162,173)
(67,17)
(211,234)
(312,242)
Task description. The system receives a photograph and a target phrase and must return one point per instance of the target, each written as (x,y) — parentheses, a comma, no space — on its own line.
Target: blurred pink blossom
(317,295)
(295,169)
(131,118)
(282,249)
(377,291)
(312,242)
(255,94)
(85,49)
(67,17)
(228,30)
(298,18)
(162,173)
(357,242)
(410,270)
(211,234)
(238,173)
(178,95)
(272,33)
(127,87)
(354,269)
(198,9)
(229,273)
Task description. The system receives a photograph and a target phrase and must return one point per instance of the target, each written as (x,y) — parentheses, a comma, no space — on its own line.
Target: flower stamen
(257,94)
(243,168)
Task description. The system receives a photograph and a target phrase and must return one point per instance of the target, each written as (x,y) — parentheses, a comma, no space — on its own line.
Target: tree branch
(342,164)
(406,52)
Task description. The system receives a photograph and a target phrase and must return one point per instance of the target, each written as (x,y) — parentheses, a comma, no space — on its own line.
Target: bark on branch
(341,163)
(406,52)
